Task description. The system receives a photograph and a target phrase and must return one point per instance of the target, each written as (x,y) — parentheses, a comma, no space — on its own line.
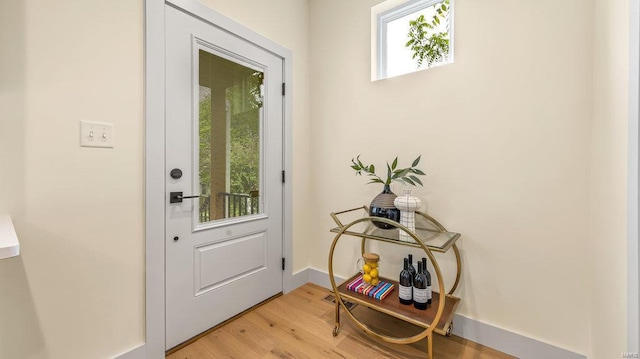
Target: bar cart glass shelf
(430,236)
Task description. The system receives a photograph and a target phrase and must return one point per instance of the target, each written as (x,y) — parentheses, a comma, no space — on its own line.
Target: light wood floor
(299,325)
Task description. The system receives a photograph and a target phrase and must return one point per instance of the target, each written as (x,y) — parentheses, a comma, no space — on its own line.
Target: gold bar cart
(430,236)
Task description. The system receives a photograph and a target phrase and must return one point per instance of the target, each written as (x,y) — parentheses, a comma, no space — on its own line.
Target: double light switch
(96,134)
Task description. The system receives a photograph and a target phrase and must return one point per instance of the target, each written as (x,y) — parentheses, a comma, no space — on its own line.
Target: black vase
(382,206)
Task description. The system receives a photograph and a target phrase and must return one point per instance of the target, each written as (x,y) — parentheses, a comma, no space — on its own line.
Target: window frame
(384,16)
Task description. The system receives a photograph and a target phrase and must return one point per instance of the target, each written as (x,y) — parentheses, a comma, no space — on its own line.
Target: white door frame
(155,175)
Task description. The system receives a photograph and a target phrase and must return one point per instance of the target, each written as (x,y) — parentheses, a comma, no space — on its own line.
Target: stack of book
(378,292)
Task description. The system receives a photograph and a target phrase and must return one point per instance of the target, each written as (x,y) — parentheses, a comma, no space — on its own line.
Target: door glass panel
(230,112)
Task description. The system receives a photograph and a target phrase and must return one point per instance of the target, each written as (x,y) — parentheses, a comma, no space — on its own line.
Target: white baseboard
(298,279)
(508,342)
(322,278)
(485,334)
(138,352)
(312,275)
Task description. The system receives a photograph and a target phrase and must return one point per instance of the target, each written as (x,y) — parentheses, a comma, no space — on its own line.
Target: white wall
(608,224)
(76,291)
(505,135)
(286,22)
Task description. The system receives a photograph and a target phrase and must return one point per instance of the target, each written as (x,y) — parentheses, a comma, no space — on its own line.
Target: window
(411,36)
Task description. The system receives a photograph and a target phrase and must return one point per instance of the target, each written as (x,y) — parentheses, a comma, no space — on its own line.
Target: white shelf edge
(9,244)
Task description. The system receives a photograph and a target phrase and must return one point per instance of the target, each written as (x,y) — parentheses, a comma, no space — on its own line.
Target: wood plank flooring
(299,325)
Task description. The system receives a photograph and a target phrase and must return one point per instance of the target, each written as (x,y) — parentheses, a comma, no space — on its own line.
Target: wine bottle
(412,269)
(428,275)
(405,285)
(420,289)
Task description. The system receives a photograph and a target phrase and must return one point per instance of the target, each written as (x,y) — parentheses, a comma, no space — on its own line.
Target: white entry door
(224,143)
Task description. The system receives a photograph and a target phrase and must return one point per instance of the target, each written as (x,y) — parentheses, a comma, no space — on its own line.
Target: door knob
(177,197)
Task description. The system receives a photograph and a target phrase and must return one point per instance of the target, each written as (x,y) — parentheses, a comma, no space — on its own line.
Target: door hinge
(282,263)
(282,176)
(283,86)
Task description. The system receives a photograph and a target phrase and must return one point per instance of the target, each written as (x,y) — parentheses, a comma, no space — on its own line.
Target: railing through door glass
(234,205)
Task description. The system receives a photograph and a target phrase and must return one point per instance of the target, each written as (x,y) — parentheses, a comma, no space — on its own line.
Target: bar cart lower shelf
(391,305)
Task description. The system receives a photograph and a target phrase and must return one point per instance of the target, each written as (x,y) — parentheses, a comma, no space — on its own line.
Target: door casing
(155,175)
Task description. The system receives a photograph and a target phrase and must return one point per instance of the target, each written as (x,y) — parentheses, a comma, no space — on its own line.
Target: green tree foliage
(244,156)
(205,140)
(245,151)
(426,41)
(245,136)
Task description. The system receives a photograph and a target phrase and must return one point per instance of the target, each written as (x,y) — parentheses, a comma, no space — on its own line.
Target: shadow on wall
(12,107)
(18,323)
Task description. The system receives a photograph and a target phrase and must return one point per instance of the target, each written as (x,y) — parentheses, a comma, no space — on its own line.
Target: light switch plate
(96,134)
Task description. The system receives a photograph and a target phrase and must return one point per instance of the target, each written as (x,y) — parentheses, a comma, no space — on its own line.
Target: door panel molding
(228,221)
(206,281)
(202,44)
(155,188)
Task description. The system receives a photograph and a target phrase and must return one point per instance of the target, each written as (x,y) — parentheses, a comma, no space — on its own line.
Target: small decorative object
(370,268)
(382,205)
(377,292)
(407,204)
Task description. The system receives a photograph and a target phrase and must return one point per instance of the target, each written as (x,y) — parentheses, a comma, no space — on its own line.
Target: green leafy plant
(407,175)
(425,41)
